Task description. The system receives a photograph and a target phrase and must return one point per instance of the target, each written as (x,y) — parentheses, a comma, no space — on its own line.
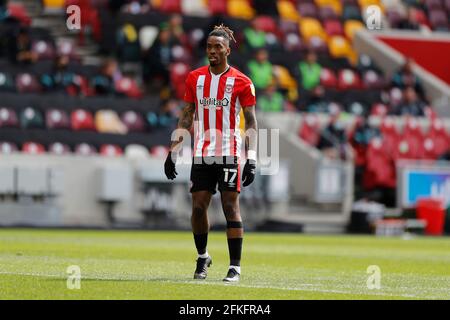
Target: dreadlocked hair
(223,31)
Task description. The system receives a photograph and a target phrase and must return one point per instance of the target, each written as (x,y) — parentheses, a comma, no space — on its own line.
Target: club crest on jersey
(213,102)
(229,88)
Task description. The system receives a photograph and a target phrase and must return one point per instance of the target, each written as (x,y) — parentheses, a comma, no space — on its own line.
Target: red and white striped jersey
(218,100)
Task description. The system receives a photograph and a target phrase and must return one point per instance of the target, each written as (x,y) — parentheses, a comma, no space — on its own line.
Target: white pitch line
(309,288)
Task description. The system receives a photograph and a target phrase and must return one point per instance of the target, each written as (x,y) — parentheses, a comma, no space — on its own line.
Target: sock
(235,249)
(237,268)
(200,243)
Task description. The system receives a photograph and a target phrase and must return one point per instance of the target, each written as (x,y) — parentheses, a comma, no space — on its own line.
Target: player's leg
(235,233)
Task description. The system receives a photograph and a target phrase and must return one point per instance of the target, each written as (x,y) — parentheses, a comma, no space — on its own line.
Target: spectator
(169,112)
(410,22)
(175,26)
(316,101)
(254,38)
(309,71)
(103,83)
(405,77)
(158,58)
(333,141)
(260,70)
(60,78)
(271,100)
(411,104)
(20,50)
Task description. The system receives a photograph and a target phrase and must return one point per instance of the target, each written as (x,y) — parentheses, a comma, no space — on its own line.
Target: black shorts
(207,173)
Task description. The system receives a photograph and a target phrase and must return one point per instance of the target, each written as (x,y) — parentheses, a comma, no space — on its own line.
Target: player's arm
(251,142)
(184,122)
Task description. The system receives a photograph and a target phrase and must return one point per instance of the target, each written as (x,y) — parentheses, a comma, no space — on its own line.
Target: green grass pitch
(160,265)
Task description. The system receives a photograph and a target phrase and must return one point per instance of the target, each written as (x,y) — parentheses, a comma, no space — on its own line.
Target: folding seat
(309,129)
(147,36)
(333,27)
(407,150)
(85,149)
(110,150)
(7,147)
(33,148)
(133,121)
(420,16)
(7,83)
(372,80)
(429,112)
(287,10)
(395,96)
(217,7)
(328,78)
(327,13)
(128,87)
(310,27)
(27,83)
(283,77)
(57,119)
(195,36)
(18,11)
(67,48)
(413,134)
(307,9)
(31,118)
(293,42)
(8,118)
(266,24)
(170,6)
(335,4)
(357,108)
(351,13)
(380,168)
(159,151)
(43,49)
(196,8)
(340,47)
(318,45)
(178,74)
(58,148)
(379,109)
(440,136)
(351,27)
(287,27)
(348,79)
(429,150)
(366,3)
(81,119)
(181,54)
(240,9)
(135,151)
(107,121)
(390,134)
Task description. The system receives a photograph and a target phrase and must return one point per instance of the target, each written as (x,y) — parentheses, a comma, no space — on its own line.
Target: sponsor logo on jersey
(213,102)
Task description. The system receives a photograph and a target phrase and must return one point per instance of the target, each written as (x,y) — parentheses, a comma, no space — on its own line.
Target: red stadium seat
(333,28)
(8,118)
(133,121)
(407,150)
(380,170)
(18,11)
(159,151)
(266,24)
(128,87)
(373,80)
(348,79)
(59,148)
(57,119)
(110,150)
(27,83)
(440,137)
(33,148)
(390,134)
(293,42)
(379,109)
(181,54)
(44,50)
(309,129)
(395,96)
(85,149)
(328,78)
(217,7)
(429,150)
(170,6)
(412,134)
(7,147)
(82,120)
(178,74)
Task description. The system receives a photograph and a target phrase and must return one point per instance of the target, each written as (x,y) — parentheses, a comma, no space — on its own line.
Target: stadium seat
(240,9)
(373,80)
(283,77)
(133,121)
(44,50)
(429,150)
(159,151)
(181,54)
(351,27)
(107,121)
(394,17)
(287,10)
(8,118)
(318,45)
(178,74)
(380,170)
(197,8)
(407,150)
(66,48)
(31,118)
(128,87)
(27,83)
(327,13)
(57,119)
(286,27)
(328,78)
(439,20)
(310,27)
(413,134)
(390,134)
(293,42)
(110,150)
(351,13)
(18,11)
(265,24)
(440,136)
(379,109)
(340,47)
(136,152)
(7,147)
(85,149)
(307,9)
(81,119)
(7,83)
(58,148)
(309,129)
(33,148)
(147,36)
(348,79)
(395,96)
(170,6)
(335,4)
(333,27)
(195,36)
(217,7)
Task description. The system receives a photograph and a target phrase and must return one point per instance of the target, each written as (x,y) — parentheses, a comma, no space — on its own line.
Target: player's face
(218,50)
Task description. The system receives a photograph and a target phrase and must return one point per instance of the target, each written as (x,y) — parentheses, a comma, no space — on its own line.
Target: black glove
(249,172)
(169,167)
